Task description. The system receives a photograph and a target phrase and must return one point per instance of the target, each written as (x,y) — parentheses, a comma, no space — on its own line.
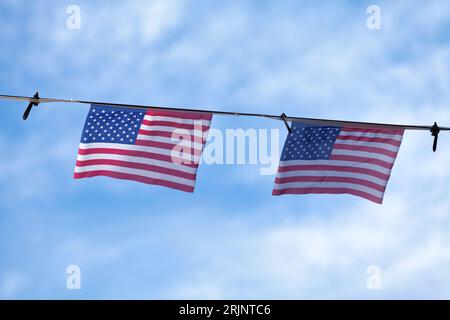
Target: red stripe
(188,126)
(135,165)
(369,172)
(170,134)
(361,182)
(134,153)
(127,176)
(383,131)
(168,146)
(392,142)
(378,162)
(365,149)
(180,114)
(166,134)
(354,192)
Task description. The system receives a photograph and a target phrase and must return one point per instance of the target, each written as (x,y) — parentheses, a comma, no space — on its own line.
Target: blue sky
(230,239)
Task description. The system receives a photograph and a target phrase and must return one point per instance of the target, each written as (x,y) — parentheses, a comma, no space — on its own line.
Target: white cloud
(156,17)
(320,257)
(11,284)
(30,167)
(306,63)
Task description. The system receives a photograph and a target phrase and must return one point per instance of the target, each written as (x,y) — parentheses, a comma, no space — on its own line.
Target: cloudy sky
(230,239)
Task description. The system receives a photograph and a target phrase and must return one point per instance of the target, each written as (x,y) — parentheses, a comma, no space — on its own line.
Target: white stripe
(178,142)
(366,154)
(353,186)
(162,151)
(178,120)
(340,163)
(381,145)
(397,137)
(154,162)
(175,131)
(138,172)
(326,173)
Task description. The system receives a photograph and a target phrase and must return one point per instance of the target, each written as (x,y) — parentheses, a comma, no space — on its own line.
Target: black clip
(283,117)
(30,106)
(435,133)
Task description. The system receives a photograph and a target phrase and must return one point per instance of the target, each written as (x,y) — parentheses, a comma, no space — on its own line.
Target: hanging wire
(315,121)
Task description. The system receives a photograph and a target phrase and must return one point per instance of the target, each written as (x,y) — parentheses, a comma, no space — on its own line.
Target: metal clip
(283,117)
(435,133)
(30,106)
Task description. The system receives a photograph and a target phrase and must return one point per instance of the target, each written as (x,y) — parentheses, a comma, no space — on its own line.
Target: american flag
(337,160)
(154,147)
